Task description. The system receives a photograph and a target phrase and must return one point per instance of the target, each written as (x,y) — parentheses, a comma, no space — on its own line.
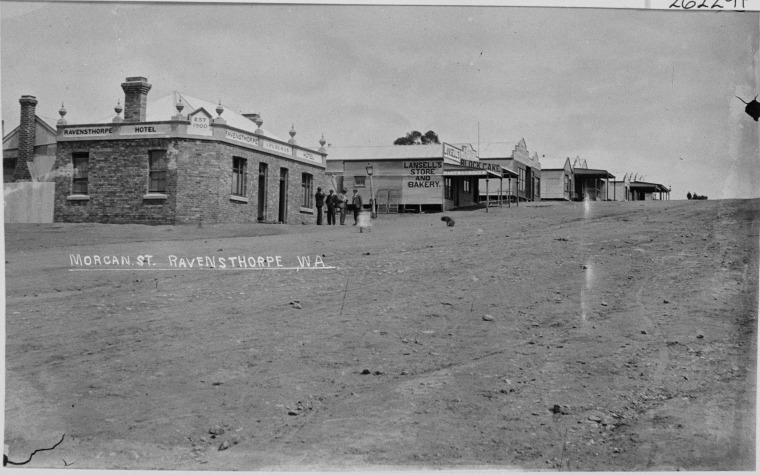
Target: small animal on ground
(753,107)
(448,221)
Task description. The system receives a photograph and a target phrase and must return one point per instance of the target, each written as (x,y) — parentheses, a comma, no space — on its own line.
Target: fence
(29,202)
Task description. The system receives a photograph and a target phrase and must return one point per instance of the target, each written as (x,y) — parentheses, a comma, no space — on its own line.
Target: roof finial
(292,133)
(219,108)
(258,121)
(62,111)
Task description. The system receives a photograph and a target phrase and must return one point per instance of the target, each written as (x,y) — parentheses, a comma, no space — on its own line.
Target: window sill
(241,199)
(78,198)
(154,196)
(307,210)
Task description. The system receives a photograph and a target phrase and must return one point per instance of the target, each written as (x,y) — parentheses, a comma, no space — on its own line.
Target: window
(80,177)
(9,166)
(521,180)
(360,181)
(466,185)
(157,171)
(239,167)
(306,187)
(447,189)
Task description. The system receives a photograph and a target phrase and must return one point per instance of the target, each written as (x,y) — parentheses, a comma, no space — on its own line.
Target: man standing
(331,202)
(320,199)
(342,202)
(356,202)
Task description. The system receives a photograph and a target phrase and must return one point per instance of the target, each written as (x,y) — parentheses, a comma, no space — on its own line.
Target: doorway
(262,212)
(283,215)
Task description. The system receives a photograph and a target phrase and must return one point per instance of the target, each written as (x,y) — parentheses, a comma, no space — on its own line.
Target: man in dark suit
(331,201)
(356,202)
(320,202)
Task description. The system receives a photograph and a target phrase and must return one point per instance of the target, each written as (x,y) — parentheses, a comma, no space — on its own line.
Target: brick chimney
(26,138)
(135,98)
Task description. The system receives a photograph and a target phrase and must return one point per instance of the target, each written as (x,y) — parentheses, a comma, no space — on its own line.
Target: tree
(416,138)
(688,195)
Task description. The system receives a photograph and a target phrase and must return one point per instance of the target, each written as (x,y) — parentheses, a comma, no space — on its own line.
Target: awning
(478,173)
(459,170)
(592,173)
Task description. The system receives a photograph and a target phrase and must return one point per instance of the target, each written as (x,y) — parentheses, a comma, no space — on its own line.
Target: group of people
(338,203)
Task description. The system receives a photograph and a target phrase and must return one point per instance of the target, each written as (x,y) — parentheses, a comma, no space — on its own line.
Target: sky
(630,91)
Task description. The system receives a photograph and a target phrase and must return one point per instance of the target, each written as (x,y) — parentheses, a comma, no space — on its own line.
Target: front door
(283,215)
(262,212)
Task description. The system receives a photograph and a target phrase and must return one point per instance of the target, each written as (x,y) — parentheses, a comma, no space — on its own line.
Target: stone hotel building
(182,160)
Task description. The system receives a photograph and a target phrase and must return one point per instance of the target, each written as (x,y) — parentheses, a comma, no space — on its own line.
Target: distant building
(644,191)
(557,179)
(182,160)
(618,190)
(590,183)
(518,161)
(411,177)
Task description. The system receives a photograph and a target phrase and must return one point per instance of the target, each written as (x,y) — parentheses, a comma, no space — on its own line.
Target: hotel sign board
(311,156)
(276,147)
(144,129)
(241,137)
(87,131)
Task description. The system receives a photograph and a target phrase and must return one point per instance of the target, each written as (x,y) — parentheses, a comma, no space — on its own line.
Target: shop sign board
(493,167)
(451,154)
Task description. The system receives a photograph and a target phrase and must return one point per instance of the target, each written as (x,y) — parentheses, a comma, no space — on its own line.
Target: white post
(488,203)
(373,202)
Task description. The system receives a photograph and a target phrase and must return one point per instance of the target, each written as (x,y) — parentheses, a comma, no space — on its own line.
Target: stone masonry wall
(117,182)
(205,185)
(199,184)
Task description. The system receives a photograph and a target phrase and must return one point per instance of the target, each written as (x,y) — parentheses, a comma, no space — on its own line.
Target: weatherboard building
(182,160)
(431,177)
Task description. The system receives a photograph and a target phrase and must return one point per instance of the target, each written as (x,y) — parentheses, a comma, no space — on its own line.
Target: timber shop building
(416,178)
(174,162)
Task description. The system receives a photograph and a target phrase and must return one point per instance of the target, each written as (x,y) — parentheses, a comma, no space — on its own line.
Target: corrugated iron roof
(592,172)
(496,150)
(164,108)
(554,163)
(385,152)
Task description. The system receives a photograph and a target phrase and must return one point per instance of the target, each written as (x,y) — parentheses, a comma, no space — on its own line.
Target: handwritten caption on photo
(81,262)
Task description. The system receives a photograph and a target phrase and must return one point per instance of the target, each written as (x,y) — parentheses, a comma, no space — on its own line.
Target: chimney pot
(136,90)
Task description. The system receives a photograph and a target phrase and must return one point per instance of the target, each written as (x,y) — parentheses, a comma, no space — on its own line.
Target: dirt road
(617,336)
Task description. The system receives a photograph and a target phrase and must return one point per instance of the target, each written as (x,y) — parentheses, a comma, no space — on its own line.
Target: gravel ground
(605,336)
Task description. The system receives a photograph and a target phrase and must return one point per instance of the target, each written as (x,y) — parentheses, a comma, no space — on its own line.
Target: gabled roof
(579,163)
(10,141)
(385,152)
